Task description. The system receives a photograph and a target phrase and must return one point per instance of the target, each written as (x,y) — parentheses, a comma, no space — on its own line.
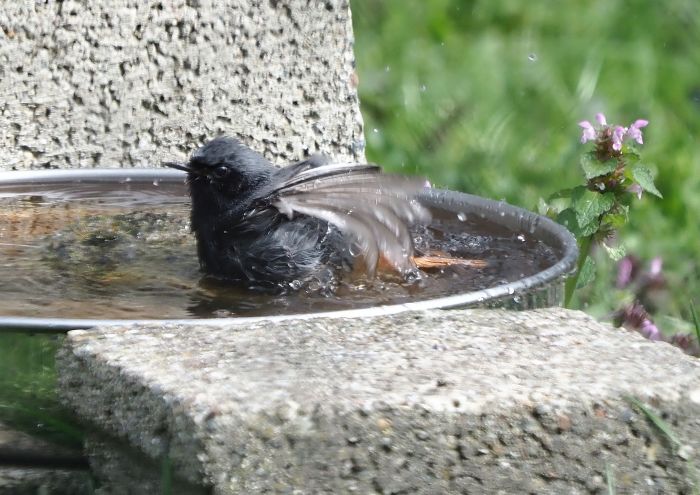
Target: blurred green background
(484,96)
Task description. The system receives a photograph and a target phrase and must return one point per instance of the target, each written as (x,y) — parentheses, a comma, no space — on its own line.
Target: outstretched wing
(372,208)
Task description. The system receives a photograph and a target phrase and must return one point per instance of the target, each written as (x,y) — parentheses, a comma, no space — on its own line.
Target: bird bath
(82,248)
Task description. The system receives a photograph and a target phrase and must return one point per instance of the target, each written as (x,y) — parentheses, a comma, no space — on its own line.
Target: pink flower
(649,330)
(656,265)
(626,271)
(634,130)
(636,189)
(618,135)
(635,317)
(589,133)
(654,279)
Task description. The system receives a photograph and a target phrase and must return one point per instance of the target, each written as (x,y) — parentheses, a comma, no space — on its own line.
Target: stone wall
(130,83)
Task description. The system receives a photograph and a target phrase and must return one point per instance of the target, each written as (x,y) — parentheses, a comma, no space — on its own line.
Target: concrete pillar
(129,83)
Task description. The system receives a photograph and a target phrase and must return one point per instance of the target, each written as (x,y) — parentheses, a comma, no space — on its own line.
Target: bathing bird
(259,225)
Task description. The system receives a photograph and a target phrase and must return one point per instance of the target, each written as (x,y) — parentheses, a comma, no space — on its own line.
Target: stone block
(460,401)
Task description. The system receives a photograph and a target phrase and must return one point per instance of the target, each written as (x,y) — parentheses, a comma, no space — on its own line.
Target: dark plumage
(259,225)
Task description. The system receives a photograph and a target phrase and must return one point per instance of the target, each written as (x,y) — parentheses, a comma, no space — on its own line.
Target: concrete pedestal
(463,401)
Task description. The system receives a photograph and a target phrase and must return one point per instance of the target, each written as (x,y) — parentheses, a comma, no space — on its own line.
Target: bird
(264,226)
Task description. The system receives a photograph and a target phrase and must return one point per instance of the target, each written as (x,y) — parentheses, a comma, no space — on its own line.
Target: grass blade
(656,420)
(610,478)
(696,322)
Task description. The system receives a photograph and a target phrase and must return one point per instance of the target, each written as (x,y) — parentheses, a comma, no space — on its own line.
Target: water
(124,250)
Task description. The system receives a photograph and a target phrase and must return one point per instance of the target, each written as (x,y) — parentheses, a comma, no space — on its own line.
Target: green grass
(28,389)
(484,96)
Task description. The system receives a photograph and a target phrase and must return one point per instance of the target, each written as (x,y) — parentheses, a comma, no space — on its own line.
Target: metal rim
(498,211)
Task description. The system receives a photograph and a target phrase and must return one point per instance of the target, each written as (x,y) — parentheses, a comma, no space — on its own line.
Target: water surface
(124,251)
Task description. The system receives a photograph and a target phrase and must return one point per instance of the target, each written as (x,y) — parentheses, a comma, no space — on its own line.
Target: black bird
(259,225)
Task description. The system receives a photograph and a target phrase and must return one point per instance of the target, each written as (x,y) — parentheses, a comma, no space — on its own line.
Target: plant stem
(584,247)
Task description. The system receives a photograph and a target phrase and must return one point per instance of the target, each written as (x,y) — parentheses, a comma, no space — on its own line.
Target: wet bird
(259,225)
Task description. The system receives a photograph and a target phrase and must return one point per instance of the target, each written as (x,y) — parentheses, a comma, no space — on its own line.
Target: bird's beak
(179,166)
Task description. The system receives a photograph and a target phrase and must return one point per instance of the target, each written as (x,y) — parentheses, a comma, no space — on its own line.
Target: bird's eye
(220,172)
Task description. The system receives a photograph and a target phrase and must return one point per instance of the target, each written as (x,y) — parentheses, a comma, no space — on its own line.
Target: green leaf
(615,253)
(567,218)
(594,168)
(631,156)
(556,206)
(564,193)
(588,229)
(587,274)
(645,179)
(556,203)
(590,205)
(617,219)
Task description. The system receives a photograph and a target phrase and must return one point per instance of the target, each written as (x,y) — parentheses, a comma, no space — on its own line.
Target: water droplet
(423,87)
(521,238)
(375,130)
(511,291)
(532,57)
(387,69)
(503,213)
(156,182)
(295,284)
(461,216)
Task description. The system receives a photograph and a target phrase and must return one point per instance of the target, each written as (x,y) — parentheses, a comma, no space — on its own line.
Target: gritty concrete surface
(129,83)
(462,401)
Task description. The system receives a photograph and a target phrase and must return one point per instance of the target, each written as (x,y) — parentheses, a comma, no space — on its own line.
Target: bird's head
(224,168)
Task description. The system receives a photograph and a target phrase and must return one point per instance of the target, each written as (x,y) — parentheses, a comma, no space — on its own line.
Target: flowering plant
(641,287)
(640,291)
(595,210)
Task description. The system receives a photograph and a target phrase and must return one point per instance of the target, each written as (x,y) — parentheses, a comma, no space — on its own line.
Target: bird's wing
(373,208)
